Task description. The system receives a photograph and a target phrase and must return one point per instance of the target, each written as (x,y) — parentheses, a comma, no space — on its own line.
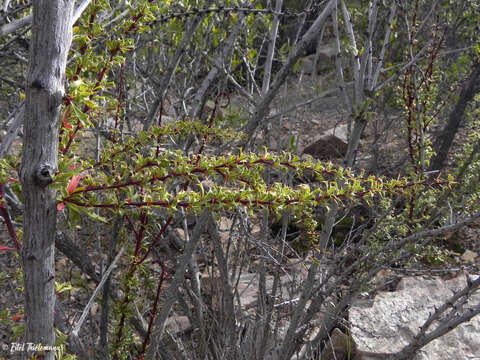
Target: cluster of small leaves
(420,95)
(468,162)
(95,52)
(5,168)
(227,10)
(144,177)
(61,348)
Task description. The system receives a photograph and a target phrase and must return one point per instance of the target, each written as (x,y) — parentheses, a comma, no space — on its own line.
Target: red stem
(154,311)
(157,239)
(100,76)
(247,202)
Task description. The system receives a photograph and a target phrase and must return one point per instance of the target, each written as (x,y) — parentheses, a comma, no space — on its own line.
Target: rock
(178,324)
(340,347)
(327,148)
(340,131)
(386,280)
(247,286)
(324,60)
(394,318)
(469,256)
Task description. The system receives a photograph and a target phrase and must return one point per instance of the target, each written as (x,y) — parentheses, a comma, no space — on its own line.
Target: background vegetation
(179,170)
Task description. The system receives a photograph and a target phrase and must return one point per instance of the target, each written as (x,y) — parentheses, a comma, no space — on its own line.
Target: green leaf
(62,287)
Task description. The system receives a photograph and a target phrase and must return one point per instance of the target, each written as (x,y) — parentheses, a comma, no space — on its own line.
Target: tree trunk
(444,142)
(49,45)
(359,125)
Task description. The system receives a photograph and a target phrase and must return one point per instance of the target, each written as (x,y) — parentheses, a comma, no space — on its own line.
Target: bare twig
(262,108)
(12,131)
(27,20)
(170,70)
(271,48)
(220,62)
(444,325)
(171,297)
(84,315)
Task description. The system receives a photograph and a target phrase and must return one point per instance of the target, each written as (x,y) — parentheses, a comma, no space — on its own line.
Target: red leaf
(17,317)
(67,124)
(4,248)
(60,206)
(72,185)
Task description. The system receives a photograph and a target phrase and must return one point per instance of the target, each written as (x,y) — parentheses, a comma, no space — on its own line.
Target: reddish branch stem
(153,313)
(247,202)
(100,75)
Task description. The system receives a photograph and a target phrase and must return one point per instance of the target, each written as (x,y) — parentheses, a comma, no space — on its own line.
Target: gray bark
(172,65)
(12,132)
(220,63)
(444,142)
(360,121)
(50,42)
(262,109)
(271,48)
(171,297)
(15,25)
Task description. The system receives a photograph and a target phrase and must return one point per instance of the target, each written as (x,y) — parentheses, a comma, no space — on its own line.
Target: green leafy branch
(217,183)
(84,88)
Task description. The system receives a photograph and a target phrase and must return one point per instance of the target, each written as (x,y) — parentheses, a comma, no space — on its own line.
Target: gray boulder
(394,318)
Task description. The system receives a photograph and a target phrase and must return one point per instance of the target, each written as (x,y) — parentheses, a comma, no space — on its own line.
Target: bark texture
(50,42)
(263,105)
(444,142)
